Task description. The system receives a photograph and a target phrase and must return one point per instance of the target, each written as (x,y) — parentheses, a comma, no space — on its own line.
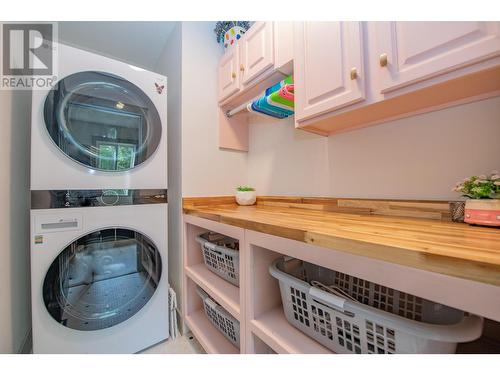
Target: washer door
(102,279)
(102,121)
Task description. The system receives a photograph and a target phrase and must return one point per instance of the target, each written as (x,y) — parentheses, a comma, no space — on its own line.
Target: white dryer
(99,279)
(103,125)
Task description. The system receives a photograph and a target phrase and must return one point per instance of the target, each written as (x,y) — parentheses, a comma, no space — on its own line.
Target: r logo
(27,49)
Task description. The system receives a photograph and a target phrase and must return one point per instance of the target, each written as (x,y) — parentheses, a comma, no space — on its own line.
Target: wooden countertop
(444,247)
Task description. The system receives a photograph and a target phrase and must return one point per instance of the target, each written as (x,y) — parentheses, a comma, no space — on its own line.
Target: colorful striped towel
(261,105)
(283,98)
(277,101)
(287,81)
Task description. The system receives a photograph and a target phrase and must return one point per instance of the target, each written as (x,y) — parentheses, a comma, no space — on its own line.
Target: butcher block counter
(416,234)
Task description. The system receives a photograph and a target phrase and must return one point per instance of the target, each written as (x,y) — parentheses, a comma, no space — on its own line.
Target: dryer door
(102,279)
(102,121)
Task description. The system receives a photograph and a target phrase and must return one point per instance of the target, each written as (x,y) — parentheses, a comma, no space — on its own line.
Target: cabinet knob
(383,60)
(354,73)
(242,68)
(233,74)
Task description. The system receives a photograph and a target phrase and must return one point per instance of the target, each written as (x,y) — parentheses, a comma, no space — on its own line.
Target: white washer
(99,278)
(103,126)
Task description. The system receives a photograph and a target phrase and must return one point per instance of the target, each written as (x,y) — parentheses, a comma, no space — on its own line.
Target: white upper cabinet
(229,77)
(328,67)
(257,51)
(410,52)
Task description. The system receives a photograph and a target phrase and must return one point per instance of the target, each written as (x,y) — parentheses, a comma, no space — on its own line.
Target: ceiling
(137,43)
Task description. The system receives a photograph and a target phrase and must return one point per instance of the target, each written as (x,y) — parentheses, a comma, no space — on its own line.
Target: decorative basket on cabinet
(229,32)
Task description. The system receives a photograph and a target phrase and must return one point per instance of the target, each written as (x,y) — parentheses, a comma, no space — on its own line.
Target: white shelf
(211,339)
(223,292)
(273,328)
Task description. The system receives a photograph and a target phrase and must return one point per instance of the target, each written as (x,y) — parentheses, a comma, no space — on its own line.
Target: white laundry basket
(351,315)
(221,255)
(220,318)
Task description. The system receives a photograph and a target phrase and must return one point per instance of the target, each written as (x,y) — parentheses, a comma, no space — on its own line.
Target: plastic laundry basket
(220,318)
(351,315)
(221,255)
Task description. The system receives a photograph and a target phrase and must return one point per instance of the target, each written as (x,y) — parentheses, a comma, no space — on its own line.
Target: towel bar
(240,108)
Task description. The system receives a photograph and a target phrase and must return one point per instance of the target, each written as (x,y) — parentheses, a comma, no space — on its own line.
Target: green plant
(245,188)
(480,187)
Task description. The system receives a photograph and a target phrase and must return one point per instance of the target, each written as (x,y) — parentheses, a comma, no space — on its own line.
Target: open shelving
(265,312)
(257,303)
(274,330)
(210,338)
(221,291)
(226,294)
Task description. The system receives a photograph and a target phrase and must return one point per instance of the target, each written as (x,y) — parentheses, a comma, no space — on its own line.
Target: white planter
(246,198)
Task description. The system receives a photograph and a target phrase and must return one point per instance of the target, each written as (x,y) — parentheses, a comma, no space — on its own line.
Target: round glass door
(102,279)
(102,121)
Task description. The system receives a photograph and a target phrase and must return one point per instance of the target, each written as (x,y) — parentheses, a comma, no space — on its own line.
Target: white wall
(15,314)
(135,42)
(286,161)
(169,64)
(190,62)
(420,157)
(206,170)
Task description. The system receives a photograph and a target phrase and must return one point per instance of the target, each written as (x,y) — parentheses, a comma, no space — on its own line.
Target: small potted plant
(483,205)
(245,195)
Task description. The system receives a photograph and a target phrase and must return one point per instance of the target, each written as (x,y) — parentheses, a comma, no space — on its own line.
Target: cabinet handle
(242,68)
(233,74)
(354,73)
(383,60)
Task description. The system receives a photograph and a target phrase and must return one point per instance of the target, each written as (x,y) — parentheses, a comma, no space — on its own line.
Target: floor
(181,345)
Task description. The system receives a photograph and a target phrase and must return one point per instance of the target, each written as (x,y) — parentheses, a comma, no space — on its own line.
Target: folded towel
(283,98)
(288,92)
(287,81)
(261,105)
(277,101)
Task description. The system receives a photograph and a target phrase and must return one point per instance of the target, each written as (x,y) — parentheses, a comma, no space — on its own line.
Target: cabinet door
(325,55)
(420,50)
(283,46)
(229,79)
(257,51)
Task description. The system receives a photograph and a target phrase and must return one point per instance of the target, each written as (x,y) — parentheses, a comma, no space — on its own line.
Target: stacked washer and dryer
(99,208)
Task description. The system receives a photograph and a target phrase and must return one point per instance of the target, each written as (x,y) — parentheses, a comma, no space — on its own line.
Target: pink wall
(420,157)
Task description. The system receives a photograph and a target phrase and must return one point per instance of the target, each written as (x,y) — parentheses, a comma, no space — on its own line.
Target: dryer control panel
(43,199)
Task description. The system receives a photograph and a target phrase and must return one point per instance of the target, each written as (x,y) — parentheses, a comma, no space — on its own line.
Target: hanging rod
(238,109)
(244,106)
